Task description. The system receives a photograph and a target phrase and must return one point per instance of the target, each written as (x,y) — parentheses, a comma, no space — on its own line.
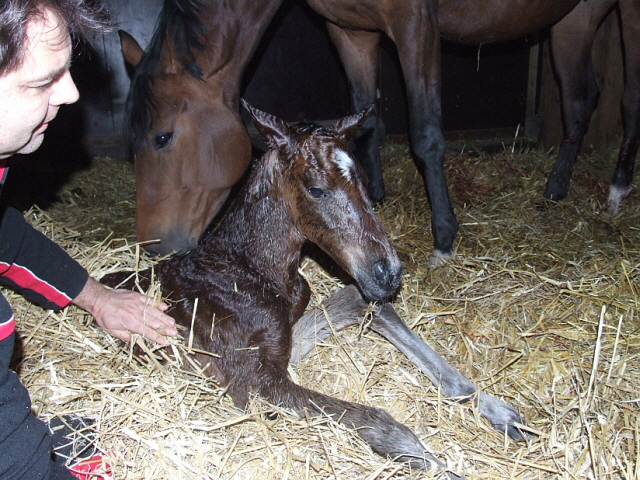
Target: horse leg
(359,51)
(452,383)
(620,186)
(347,307)
(261,372)
(418,44)
(344,308)
(375,426)
(571,42)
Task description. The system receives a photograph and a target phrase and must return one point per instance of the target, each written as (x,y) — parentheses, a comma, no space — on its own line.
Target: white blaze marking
(345,163)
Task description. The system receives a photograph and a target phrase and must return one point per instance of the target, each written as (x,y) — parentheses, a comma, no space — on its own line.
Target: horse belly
(485,21)
(357,14)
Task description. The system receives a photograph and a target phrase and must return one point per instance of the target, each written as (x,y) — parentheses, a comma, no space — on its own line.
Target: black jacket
(37,268)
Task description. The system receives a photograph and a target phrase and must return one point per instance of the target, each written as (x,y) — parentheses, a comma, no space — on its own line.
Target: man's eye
(44,86)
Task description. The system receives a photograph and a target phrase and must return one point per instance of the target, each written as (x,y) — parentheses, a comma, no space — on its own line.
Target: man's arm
(39,269)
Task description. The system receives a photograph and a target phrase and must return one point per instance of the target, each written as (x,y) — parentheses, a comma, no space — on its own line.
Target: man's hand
(123,313)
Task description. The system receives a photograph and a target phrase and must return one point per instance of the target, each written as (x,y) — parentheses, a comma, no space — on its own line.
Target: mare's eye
(316,192)
(163,140)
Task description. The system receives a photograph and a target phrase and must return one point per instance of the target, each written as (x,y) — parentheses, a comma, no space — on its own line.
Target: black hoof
(554,194)
(377,199)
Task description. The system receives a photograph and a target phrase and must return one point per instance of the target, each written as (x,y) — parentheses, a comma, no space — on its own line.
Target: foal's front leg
(388,323)
(346,307)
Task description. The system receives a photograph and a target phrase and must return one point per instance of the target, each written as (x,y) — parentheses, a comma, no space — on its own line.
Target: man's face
(31,95)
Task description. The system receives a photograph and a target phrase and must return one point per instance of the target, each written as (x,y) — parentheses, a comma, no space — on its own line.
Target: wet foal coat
(243,288)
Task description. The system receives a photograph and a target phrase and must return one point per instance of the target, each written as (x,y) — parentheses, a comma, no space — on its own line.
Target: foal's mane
(313,128)
(179,23)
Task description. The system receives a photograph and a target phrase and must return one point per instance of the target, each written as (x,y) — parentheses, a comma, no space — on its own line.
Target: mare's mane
(179,23)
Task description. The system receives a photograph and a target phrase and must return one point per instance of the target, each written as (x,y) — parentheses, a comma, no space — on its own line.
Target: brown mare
(190,146)
(248,295)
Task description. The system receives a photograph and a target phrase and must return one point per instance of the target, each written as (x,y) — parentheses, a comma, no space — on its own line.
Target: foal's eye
(316,192)
(163,140)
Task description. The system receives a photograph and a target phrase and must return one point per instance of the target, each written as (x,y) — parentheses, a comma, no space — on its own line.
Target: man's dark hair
(81,17)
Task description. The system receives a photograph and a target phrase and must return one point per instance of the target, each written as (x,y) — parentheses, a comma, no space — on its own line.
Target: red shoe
(94,468)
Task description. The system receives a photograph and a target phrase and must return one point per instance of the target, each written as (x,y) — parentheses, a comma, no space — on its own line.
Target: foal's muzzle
(385,275)
(382,279)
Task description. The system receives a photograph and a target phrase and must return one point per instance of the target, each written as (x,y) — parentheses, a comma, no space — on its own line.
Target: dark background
(296,74)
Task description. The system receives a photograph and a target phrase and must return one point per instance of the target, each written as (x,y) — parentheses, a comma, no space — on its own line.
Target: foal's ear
(275,132)
(346,127)
(131,50)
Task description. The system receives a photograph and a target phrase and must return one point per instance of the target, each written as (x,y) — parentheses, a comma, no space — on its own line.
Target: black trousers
(25,441)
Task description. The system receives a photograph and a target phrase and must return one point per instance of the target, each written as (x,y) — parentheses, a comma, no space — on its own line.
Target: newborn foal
(244,284)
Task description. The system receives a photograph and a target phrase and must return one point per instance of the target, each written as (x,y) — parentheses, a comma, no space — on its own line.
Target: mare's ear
(131,50)
(346,127)
(276,133)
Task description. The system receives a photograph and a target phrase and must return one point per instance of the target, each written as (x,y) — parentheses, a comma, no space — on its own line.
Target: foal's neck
(257,229)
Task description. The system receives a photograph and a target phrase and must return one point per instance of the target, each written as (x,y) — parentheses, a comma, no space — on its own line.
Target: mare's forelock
(179,23)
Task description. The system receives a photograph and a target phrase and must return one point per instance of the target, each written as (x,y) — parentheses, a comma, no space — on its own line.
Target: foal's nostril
(383,274)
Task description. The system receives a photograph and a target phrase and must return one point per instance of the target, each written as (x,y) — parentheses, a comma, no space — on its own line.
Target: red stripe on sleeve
(3,168)
(7,328)
(25,278)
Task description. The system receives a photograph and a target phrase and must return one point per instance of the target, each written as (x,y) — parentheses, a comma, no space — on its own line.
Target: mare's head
(325,195)
(189,144)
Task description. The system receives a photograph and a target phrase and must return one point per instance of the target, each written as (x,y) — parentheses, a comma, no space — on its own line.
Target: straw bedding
(539,306)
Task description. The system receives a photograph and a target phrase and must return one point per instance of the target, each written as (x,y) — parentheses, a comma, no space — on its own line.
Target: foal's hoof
(431,463)
(513,430)
(454,476)
(517,434)
(503,417)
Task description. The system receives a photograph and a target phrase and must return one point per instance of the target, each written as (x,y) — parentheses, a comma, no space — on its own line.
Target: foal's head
(325,194)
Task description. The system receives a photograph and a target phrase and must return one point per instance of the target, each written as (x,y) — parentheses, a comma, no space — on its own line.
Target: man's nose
(65,91)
